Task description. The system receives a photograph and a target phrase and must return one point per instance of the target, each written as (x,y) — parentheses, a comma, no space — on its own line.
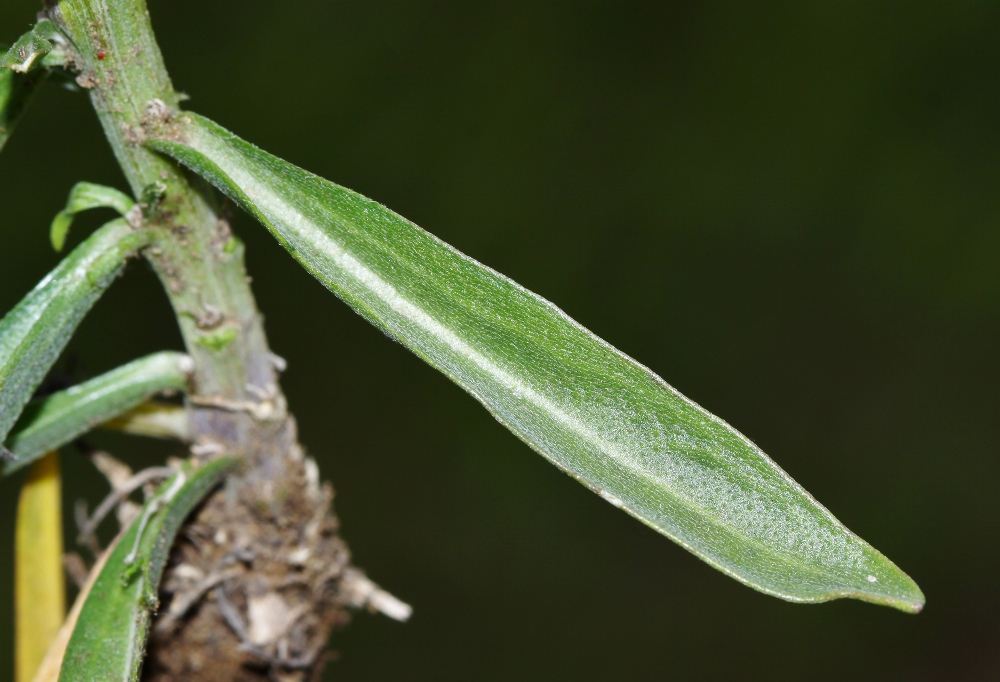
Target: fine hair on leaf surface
(34,333)
(53,421)
(589,409)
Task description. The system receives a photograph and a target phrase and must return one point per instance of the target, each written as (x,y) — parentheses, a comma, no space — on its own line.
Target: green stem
(196,258)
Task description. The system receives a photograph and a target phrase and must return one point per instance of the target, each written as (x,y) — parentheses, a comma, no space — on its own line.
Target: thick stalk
(195,256)
(275,501)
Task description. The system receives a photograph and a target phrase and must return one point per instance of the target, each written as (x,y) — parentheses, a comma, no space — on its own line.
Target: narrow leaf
(26,54)
(85,196)
(49,669)
(109,640)
(16,90)
(42,46)
(20,72)
(56,420)
(39,585)
(34,333)
(588,408)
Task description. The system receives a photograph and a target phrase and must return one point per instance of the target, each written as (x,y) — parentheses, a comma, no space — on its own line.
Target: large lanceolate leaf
(109,640)
(56,420)
(588,408)
(34,333)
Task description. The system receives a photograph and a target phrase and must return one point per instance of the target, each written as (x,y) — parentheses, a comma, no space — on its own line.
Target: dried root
(258,579)
(258,576)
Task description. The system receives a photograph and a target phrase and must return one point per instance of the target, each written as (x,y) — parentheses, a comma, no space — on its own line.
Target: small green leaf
(218,340)
(85,196)
(16,90)
(26,54)
(109,640)
(20,75)
(588,408)
(42,46)
(152,194)
(56,420)
(34,333)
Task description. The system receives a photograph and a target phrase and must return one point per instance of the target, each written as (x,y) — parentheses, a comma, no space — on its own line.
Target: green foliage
(15,92)
(108,642)
(23,67)
(85,196)
(52,422)
(592,411)
(589,409)
(27,52)
(218,340)
(34,333)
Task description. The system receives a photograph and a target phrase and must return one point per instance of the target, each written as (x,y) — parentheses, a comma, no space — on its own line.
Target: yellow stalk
(39,586)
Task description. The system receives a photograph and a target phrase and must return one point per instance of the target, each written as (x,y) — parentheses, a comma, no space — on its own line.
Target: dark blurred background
(788,210)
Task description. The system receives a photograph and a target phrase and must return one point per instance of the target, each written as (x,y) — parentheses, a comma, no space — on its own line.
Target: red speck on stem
(101,55)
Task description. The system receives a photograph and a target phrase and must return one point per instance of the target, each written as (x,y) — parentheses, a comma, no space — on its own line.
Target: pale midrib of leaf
(590,409)
(34,333)
(52,422)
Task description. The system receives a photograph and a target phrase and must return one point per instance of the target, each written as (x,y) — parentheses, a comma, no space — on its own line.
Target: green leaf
(26,54)
(109,640)
(85,196)
(34,333)
(56,420)
(16,90)
(589,409)
(42,46)
(20,72)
